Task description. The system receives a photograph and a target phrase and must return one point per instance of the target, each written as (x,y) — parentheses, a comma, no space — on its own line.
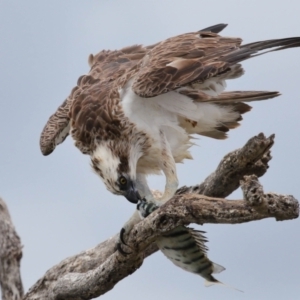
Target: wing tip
(215,28)
(56,129)
(46,148)
(46,152)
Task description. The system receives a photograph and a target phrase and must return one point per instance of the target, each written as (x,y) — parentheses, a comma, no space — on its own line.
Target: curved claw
(126,228)
(119,244)
(122,236)
(119,248)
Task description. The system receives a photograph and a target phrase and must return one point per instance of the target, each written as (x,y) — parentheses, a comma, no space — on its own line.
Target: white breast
(163,113)
(153,115)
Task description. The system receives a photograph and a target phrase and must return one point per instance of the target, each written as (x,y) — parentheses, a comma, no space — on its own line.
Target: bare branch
(10,256)
(81,283)
(253,158)
(96,271)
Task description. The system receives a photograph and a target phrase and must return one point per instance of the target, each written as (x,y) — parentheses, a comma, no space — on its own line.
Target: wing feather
(193,65)
(56,129)
(215,28)
(231,102)
(195,57)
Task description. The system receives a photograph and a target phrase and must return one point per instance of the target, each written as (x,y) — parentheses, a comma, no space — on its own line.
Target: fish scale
(185,247)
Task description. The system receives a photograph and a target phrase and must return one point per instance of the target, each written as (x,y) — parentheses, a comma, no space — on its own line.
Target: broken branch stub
(181,210)
(252,158)
(95,271)
(281,207)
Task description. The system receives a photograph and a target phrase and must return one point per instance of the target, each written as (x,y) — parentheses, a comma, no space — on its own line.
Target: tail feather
(229,97)
(231,105)
(245,96)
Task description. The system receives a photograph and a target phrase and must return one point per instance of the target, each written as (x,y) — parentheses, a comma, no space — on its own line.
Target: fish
(186,248)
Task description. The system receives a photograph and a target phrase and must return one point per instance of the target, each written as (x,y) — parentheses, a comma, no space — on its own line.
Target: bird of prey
(136,110)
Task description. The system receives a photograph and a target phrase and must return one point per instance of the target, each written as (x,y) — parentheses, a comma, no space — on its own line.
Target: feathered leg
(148,202)
(142,186)
(168,166)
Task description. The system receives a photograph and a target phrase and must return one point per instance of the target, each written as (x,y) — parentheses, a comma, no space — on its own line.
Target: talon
(145,208)
(122,236)
(119,248)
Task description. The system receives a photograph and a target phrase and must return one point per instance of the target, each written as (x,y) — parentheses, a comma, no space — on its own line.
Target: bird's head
(117,169)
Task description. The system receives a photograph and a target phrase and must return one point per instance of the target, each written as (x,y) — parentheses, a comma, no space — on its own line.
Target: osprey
(138,107)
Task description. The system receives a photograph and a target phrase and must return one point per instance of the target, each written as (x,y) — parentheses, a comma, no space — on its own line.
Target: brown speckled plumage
(93,107)
(135,111)
(180,80)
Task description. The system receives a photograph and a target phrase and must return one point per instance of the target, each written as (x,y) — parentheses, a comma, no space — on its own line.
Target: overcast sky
(60,207)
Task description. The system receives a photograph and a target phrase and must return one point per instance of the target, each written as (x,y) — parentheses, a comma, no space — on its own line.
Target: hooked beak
(132,195)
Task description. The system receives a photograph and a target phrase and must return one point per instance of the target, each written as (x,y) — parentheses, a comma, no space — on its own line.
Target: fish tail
(212,281)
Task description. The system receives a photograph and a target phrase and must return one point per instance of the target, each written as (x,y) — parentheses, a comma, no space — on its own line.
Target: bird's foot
(124,232)
(121,242)
(144,208)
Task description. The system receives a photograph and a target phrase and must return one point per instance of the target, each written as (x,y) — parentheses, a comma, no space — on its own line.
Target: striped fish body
(185,247)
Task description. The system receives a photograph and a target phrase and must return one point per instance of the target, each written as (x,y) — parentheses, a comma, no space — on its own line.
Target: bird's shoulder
(96,113)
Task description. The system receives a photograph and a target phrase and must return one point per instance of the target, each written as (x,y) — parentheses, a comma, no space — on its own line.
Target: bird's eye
(123,180)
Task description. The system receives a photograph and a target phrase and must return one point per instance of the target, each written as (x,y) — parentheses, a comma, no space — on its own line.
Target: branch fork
(93,272)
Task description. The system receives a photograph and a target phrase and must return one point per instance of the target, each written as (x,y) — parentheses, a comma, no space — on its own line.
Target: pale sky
(60,207)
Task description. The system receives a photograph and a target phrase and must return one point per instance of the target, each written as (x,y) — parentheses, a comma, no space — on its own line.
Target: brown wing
(181,60)
(56,130)
(195,57)
(85,109)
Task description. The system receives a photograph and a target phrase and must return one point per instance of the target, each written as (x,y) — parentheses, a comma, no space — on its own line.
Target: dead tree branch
(10,257)
(96,271)
(181,210)
(251,159)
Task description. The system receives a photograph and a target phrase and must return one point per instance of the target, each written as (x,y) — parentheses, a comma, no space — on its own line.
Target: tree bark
(96,271)
(10,257)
